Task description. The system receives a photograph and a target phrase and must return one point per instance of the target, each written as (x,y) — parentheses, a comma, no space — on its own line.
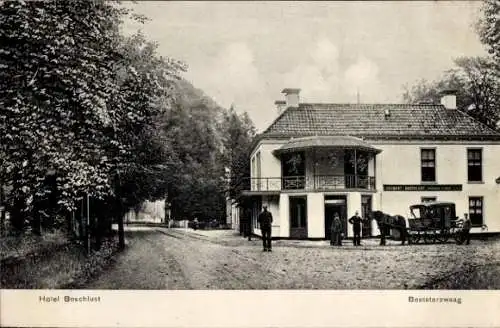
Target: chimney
(280,105)
(449,99)
(292,97)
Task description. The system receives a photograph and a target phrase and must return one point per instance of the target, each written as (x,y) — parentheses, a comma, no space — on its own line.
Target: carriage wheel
(443,236)
(415,237)
(429,238)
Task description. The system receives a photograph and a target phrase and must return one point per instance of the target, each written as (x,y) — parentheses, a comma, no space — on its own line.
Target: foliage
(194,185)
(145,92)
(239,132)
(488,28)
(87,110)
(52,95)
(79,102)
(206,140)
(476,79)
(476,87)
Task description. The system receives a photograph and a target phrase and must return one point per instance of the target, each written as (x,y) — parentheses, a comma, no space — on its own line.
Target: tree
(194,187)
(482,89)
(476,86)
(80,104)
(55,84)
(488,28)
(239,132)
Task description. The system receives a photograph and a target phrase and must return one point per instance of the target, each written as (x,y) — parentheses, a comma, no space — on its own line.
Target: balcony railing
(316,182)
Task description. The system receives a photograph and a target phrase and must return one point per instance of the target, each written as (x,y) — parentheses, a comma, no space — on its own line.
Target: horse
(385,221)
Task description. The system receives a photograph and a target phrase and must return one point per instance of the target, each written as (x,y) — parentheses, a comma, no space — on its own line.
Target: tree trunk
(17,216)
(36,223)
(121,230)
(2,214)
(2,223)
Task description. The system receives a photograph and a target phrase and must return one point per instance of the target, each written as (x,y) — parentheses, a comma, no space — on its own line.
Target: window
(476,210)
(428,164)
(428,199)
(474,165)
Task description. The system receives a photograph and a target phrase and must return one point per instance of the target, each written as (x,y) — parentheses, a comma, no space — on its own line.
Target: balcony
(313,183)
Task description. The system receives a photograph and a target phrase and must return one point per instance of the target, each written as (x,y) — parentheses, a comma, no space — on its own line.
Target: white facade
(150,212)
(398,163)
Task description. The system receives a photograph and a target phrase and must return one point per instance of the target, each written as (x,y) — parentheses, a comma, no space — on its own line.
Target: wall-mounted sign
(436,187)
(334,201)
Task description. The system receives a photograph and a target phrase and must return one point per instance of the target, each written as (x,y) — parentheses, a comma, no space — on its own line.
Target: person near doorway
(195,223)
(356,222)
(465,233)
(265,221)
(336,231)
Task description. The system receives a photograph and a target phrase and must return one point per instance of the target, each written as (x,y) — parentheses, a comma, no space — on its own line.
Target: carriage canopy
(443,210)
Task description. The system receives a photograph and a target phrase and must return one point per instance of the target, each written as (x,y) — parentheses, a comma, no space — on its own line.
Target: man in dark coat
(265,222)
(356,221)
(336,231)
(465,233)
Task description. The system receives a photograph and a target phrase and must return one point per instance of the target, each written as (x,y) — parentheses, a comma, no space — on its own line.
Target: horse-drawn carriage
(434,222)
(429,223)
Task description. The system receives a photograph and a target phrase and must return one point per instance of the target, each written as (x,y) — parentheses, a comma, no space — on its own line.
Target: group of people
(265,220)
(337,229)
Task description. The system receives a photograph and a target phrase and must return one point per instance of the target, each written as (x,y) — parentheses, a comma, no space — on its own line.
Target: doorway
(298,217)
(335,204)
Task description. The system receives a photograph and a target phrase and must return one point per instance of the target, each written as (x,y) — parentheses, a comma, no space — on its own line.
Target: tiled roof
(371,121)
(325,141)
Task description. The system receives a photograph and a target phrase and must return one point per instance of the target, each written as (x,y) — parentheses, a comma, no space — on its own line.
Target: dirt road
(168,259)
(159,258)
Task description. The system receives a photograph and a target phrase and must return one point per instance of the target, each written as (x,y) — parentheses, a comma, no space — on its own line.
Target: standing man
(356,221)
(336,231)
(465,233)
(265,221)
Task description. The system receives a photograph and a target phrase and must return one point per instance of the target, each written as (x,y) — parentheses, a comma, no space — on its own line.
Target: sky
(245,53)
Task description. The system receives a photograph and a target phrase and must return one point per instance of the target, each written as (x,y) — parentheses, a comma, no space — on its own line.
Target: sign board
(431,187)
(334,201)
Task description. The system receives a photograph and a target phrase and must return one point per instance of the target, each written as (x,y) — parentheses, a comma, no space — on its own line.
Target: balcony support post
(355,169)
(314,168)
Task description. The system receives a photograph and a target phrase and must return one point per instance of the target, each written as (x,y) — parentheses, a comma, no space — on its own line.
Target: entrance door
(366,211)
(298,217)
(335,204)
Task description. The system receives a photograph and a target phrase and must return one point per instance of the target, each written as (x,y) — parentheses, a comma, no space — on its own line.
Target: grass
(62,266)
(486,276)
(20,246)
